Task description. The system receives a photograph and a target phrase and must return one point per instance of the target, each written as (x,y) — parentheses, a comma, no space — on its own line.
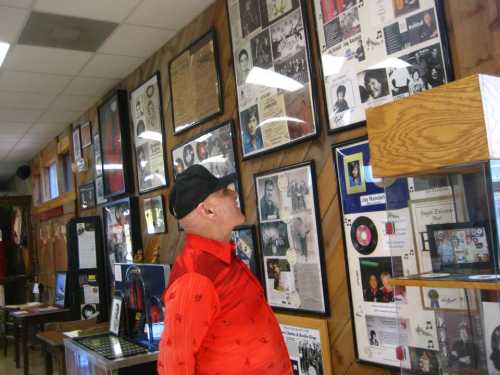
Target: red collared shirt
(217,320)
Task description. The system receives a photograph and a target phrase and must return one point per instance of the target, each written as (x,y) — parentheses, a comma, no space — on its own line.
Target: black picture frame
(322,46)
(114,133)
(87,196)
(310,89)
(231,161)
(60,289)
(161,199)
(241,236)
(295,210)
(149,144)
(209,37)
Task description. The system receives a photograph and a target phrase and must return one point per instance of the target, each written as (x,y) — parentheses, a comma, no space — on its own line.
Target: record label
(364,235)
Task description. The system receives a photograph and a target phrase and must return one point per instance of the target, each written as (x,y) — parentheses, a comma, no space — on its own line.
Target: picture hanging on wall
(99,178)
(149,136)
(87,196)
(374,52)
(246,248)
(290,239)
(85,134)
(154,213)
(276,93)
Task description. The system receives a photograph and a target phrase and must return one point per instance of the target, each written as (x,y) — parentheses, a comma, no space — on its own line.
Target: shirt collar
(221,250)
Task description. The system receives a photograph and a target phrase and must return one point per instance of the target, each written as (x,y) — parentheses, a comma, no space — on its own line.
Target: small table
(24,319)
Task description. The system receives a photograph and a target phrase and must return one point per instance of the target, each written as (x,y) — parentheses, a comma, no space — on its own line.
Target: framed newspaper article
(276,93)
(290,239)
(374,52)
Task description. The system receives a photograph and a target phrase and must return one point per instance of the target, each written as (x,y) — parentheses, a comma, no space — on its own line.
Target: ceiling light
(268,78)
(4,47)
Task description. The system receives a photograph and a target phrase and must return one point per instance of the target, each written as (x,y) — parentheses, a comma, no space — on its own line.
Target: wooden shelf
(446,282)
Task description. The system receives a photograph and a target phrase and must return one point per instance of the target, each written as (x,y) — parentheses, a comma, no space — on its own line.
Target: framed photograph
(149,136)
(376,52)
(121,231)
(491,325)
(86,135)
(77,145)
(154,213)
(116,313)
(195,84)
(60,290)
(87,196)
(308,344)
(246,248)
(215,150)
(114,137)
(290,241)
(272,62)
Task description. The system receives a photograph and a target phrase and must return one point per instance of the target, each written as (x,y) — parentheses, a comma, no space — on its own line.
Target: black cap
(192,187)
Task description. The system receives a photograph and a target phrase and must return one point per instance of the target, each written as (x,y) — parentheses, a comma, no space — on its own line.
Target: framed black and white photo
(215,150)
(491,326)
(86,134)
(77,145)
(375,52)
(245,241)
(154,214)
(276,95)
(290,239)
(87,196)
(195,84)
(116,313)
(149,134)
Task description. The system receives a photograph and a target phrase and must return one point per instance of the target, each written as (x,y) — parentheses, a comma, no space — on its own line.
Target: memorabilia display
(86,135)
(116,313)
(373,52)
(491,333)
(154,214)
(99,179)
(195,84)
(149,139)
(308,344)
(60,290)
(114,137)
(290,242)
(77,145)
(246,248)
(122,231)
(214,149)
(276,95)
(87,196)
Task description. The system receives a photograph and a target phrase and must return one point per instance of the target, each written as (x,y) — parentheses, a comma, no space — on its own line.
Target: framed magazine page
(246,248)
(115,151)
(215,150)
(374,52)
(290,239)
(195,84)
(149,136)
(276,94)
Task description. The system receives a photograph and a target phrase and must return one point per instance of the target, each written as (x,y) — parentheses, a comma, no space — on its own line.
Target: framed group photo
(376,52)
(290,239)
(149,135)
(245,240)
(272,62)
(195,84)
(115,151)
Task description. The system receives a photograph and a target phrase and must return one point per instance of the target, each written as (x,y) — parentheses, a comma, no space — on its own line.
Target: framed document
(149,137)
(276,95)
(215,150)
(374,52)
(86,134)
(290,241)
(154,214)
(195,84)
(87,196)
(246,248)
(114,128)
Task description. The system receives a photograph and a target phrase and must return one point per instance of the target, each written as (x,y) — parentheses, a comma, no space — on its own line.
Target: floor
(8,366)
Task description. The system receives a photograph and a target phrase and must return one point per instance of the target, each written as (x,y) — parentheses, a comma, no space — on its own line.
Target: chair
(6,329)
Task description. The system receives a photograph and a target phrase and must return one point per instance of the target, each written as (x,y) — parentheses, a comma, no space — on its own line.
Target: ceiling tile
(9,139)
(26,100)
(17,3)
(59,116)
(89,86)
(7,169)
(19,115)
(33,82)
(139,41)
(46,60)
(13,128)
(107,10)
(41,128)
(110,66)
(11,22)
(20,156)
(74,102)
(171,14)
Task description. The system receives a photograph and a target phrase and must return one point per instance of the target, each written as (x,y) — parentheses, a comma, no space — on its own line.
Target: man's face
(375,87)
(385,281)
(340,95)
(269,191)
(252,125)
(373,282)
(244,62)
(225,204)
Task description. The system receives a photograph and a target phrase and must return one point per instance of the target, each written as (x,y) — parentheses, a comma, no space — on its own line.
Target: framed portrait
(272,62)
(121,231)
(115,150)
(60,290)
(290,239)
(308,344)
(87,196)
(86,135)
(116,313)
(377,52)
(99,178)
(246,248)
(154,213)
(149,136)
(77,145)
(195,84)
(215,150)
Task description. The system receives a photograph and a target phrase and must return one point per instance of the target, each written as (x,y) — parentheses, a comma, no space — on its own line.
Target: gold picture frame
(354,183)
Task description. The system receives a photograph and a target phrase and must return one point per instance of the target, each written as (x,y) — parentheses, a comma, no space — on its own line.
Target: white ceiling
(43,90)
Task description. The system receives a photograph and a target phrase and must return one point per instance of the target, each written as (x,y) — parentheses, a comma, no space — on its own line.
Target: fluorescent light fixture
(268,78)
(113,167)
(391,62)
(4,48)
(279,119)
(154,136)
(332,64)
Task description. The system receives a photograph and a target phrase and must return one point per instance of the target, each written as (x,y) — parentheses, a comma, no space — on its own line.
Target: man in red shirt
(217,320)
